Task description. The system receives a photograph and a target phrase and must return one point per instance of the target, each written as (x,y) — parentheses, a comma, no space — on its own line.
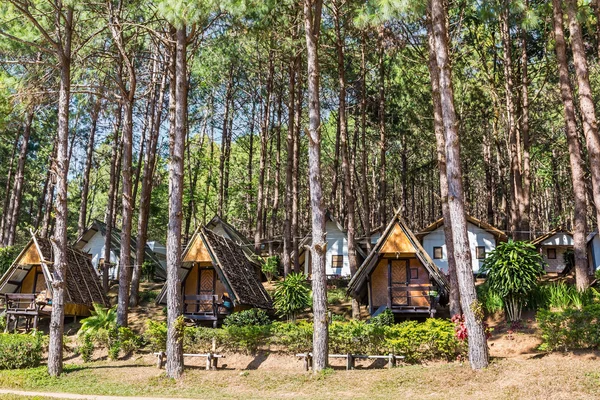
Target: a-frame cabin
(399,275)
(27,284)
(213,267)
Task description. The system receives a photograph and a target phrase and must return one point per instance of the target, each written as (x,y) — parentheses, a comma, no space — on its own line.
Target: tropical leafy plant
(513,269)
(101,319)
(292,296)
(270,267)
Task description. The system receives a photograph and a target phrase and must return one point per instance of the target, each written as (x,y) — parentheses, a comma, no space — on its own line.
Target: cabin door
(205,287)
(399,281)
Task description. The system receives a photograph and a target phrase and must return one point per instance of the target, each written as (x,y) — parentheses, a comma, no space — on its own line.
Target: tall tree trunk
(312,28)
(17,191)
(89,155)
(363,138)
(382,183)
(174,367)
(438,123)
(514,146)
(59,241)
(156,111)
(525,200)
(49,195)
(264,138)
(586,102)
(7,192)
(289,166)
(343,129)
(296,168)
(277,182)
(478,351)
(225,139)
(575,158)
(112,191)
(250,216)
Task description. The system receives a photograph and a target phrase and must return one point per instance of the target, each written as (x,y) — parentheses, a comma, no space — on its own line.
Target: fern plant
(513,269)
(101,319)
(292,296)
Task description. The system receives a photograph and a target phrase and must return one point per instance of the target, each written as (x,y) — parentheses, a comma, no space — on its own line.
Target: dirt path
(77,396)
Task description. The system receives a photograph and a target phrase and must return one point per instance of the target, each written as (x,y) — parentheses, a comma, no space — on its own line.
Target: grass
(336,296)
(551,377)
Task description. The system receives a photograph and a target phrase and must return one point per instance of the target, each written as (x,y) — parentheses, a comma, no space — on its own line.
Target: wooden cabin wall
(379,284)
(191,281)
(422,279)
(27,286)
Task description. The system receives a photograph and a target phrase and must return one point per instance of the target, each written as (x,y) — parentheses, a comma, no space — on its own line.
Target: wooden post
(159,363)
(214,365)
(349,362)
(392,361)
(307,361)
(208,361)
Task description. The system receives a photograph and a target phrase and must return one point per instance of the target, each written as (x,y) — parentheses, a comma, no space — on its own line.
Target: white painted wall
(337,244)
(95,247)
(477,237)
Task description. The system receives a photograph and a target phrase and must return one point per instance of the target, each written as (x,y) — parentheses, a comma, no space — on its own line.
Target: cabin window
(337,261)
(551,254)
(480,252)
(437,253)
(414,273)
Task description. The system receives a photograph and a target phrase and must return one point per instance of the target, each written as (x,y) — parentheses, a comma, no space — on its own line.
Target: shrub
(129,341)
(570,329)
(7,257)
(294,338)
(356,337)
(386,318)
(336,296)
(491,301)
(199,339)
(86,347)
(156,335)
(253,316)
(292,296)
(101,319)
(513,269)
(148,296)
(246,339)
(432,339)
(20,350)
(148,270)
(270,267)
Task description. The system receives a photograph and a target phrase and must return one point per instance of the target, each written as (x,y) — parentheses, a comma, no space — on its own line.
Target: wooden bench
(351,359)
(211,359)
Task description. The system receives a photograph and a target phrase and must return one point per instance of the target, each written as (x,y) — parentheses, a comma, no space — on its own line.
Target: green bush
(432,339)
(513,269)
(86,347)
(570,329)
(20,351)
(292,338)
(199,339)
(253,316)
(356,337)
(7,257)
(491,301)
(246,339)
(292,296)
(156,335)
(336,296)
(270,267)
(101,318)
(386,318)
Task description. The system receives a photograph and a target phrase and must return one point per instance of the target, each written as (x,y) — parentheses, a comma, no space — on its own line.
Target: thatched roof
(498,234)
(225,229)
(115,245)
(82,282)
(357,287)
(233,268)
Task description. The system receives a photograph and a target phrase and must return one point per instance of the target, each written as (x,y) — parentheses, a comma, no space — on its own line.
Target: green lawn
(549,377)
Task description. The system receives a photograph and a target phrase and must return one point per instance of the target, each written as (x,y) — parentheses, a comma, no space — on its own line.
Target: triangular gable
(404,238)
(397,242)
(558,230)
(196,251)
(498,234)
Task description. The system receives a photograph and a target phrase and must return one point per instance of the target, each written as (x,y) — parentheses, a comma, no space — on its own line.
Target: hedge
(20,350)
(570,329)
(432,339)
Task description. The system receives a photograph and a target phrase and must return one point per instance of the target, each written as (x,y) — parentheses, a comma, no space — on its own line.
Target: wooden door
(206,287)
(399,280)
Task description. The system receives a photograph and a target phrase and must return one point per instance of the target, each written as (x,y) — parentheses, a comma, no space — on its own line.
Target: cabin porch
(204,295)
